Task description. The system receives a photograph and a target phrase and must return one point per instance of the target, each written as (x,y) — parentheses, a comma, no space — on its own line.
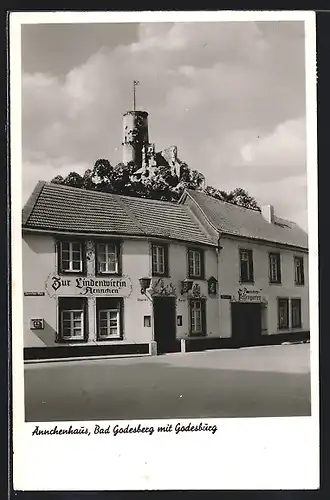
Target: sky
(230,95)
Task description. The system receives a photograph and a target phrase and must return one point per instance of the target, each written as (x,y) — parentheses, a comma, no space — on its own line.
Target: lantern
(144,284)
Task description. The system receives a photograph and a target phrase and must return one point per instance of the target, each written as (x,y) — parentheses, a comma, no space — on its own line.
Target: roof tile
(248,223)
(63,208)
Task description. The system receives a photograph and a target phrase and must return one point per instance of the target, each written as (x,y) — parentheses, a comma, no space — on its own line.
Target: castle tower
(135,136)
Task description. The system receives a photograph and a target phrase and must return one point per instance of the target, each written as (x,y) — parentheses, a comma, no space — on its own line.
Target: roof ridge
(149,200)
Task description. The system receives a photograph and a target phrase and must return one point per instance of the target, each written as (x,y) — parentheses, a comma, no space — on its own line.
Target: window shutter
(251,277)
(204,317)
(121,317)
(84,257)
(86,329)
(119,256)
(202,264)
(58,255)
(302,271)
(279,277)
(166,263)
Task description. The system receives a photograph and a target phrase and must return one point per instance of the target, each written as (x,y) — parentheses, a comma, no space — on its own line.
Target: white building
(106,274)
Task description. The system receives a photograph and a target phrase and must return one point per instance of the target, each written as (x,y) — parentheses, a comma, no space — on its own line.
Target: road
(270,381)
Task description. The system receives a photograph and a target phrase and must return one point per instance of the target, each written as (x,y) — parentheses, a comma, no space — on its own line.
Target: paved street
(252,382)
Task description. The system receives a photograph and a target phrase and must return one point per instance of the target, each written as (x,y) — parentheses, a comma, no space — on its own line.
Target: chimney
(267,212)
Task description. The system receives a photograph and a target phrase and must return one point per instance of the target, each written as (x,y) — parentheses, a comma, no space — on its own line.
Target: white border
(244,453)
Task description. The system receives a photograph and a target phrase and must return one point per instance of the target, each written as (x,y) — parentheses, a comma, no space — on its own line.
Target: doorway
(165,324)
(246,323)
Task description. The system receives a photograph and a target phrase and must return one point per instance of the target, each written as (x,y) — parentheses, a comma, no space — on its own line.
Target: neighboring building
(262,269)
(121,275)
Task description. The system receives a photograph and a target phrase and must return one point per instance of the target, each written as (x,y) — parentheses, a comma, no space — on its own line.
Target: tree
(162,185)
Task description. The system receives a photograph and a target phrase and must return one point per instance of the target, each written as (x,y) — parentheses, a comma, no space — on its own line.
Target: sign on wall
(57,286)
(37,324)
(246,295)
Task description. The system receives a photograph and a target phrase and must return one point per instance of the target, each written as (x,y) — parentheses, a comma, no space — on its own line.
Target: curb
(83,358)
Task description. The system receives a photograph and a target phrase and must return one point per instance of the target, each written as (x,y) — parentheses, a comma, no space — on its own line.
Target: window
(72,318)
(296,313)
(195,263)
(159,260)
(107,258)
(108,318)
(283,314)
(299,277)
(274,268)
(246,266)
(71,257)
(197,317)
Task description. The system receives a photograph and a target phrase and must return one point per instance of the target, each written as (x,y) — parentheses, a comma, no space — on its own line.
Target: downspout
(218,249)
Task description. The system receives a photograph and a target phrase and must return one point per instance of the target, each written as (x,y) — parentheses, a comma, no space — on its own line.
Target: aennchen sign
(57,286)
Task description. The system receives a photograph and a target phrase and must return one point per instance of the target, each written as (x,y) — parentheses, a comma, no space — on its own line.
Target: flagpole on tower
(135,83)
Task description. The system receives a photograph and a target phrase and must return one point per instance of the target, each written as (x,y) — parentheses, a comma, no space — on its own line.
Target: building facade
(120,275)
(262,270)
(116,274)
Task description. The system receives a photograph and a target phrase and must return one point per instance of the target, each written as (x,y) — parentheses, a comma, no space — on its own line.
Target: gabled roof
(57,208)
(230,219)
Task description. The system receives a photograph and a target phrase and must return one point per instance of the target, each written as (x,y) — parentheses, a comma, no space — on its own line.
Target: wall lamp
(186,286)
(144,284)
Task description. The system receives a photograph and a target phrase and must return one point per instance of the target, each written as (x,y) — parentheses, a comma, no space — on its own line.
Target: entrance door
(246,323)
(165,324)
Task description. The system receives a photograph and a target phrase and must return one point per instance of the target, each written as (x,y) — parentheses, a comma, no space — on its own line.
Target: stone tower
(135,137)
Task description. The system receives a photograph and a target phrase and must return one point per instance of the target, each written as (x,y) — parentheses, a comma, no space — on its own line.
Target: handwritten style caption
(118,430)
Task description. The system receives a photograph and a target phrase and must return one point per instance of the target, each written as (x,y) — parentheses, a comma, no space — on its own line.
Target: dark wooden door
(165,324)
(246,323)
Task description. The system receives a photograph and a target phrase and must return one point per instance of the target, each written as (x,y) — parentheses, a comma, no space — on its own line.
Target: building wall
(229,283)
(178,266)
(40,266)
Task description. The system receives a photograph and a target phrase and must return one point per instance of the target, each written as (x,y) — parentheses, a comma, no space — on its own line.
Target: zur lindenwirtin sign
(57,286)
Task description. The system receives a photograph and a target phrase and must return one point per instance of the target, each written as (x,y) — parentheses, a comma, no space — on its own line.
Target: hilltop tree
(162,185)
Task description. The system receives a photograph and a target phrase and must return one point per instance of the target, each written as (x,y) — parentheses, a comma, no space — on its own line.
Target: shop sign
(246,295)
(57,286)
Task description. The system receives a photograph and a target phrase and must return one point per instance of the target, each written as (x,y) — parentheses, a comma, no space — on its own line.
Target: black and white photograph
(166,216)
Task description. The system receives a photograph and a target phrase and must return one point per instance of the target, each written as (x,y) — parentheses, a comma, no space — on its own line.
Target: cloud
(230,95)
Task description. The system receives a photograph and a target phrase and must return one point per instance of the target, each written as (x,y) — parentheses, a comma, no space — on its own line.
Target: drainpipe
(218,249)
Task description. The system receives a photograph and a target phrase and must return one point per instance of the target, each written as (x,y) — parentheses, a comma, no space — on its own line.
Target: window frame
(165,249)
(200,252)
(71,242)
(203,331)
(250,278)
(296,300)
(278,279)
(107,243)
(71,305)
(301,259)
(109,304)
(287,300)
